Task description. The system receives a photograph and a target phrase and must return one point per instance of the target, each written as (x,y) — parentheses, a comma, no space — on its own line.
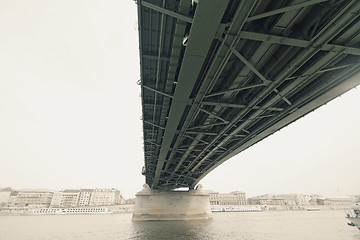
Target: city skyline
(70,112)
(8,188)
(49,201)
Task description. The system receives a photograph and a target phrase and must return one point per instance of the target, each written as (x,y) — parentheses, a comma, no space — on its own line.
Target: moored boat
(62,211)
(236,209)
(354,216)
(312,209)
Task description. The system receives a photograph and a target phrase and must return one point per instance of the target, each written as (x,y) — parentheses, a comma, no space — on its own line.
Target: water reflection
(159,230)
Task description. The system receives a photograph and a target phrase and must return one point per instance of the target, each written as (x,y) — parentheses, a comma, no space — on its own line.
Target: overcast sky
(70,112)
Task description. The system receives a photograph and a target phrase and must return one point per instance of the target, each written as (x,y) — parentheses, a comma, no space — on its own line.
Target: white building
(70,198)
(289,199)
(339,202)
(85,196)
(33,198)
(233,198)
(12,199)
(56,200)
(4,198)
(103,197)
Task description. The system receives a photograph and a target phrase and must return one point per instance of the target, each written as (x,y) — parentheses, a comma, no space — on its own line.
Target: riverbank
(280,207)
(22,211)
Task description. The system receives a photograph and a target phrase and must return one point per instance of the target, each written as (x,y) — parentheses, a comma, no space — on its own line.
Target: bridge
(220,76)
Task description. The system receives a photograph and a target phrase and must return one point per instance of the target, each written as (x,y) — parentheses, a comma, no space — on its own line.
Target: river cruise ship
(75,210)
(236,209)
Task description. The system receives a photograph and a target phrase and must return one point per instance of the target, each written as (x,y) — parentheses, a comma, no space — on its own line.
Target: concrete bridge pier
(156,205)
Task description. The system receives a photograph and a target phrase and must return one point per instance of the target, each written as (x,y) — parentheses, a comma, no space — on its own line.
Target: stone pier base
(152,205)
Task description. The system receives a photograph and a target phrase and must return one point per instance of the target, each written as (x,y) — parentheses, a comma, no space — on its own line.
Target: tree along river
(279,225)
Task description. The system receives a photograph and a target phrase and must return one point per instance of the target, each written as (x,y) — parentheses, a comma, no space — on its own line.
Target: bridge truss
(219,76)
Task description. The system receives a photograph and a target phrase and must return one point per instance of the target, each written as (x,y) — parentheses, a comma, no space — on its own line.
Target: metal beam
(149,141)
(250,65)
(202,141)
(211,133)
(322,71)
(151,105)
(233,105)
(183,152)
(285,9)
(201,36)
(157,91)
(205,126)
(235,90)
(283,97)
(158,65)
(298,42)
(153,124)
(221,57)
(213,115)
(263,116)
(206,133)
(167,12)
(155,57)
(172,70)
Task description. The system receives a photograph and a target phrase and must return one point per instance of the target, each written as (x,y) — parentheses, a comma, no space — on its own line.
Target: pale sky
(70,112)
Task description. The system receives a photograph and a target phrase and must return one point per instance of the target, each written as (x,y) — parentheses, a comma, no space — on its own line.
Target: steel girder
(219,76)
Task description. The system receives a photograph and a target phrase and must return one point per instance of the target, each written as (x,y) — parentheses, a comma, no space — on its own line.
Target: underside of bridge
(218,76)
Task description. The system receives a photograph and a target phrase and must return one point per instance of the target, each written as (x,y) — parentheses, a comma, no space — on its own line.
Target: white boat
(312,209)
(62,211)
(236,209)
(354,216)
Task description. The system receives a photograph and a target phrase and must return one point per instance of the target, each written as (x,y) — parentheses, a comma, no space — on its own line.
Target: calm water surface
(327,225)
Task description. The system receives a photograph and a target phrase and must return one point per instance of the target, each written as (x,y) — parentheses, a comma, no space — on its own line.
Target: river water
(281,225)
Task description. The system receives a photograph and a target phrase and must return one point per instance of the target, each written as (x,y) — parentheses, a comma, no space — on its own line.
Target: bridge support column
(171,205)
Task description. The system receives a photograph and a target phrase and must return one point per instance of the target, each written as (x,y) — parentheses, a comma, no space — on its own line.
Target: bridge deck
(219,76)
